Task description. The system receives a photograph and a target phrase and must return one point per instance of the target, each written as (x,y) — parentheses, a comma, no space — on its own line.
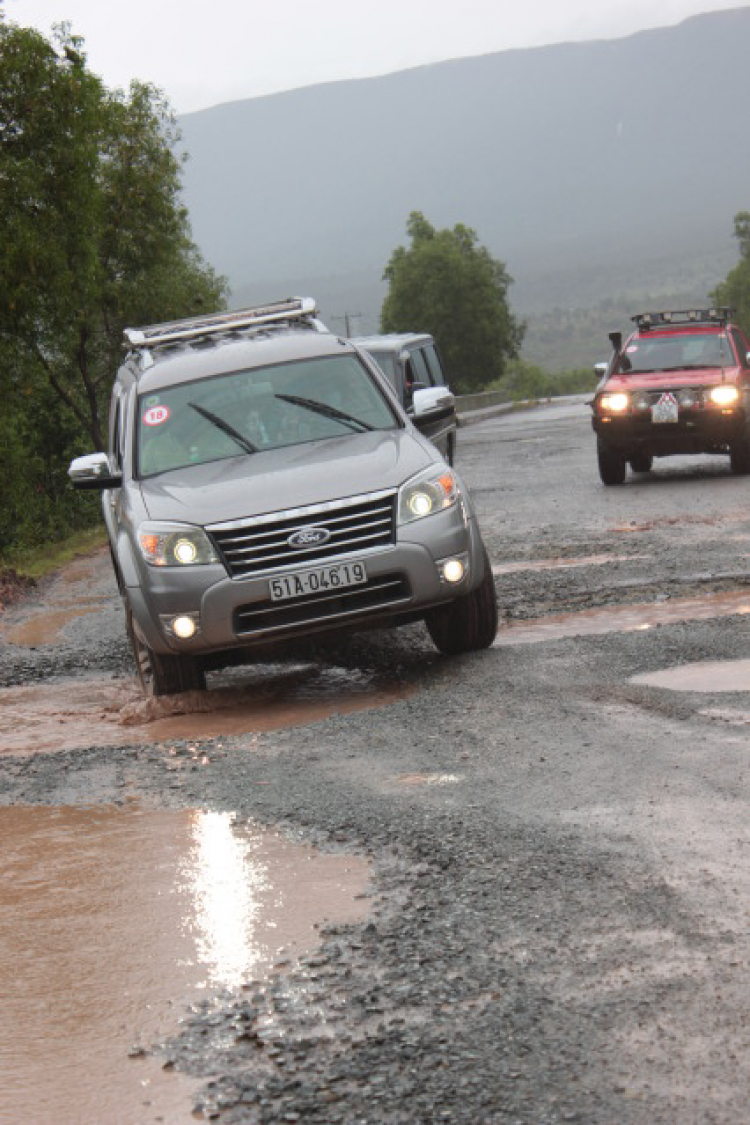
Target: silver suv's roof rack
(290,310)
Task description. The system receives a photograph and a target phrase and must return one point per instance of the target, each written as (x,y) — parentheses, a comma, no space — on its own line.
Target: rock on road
(561,892)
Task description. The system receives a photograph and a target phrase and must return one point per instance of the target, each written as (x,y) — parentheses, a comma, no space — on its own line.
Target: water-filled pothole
(97,711)
(623,618)
(112,921)
(705,676)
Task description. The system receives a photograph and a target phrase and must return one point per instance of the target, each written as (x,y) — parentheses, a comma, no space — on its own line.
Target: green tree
(90,216)
(94,237)
(446,284)
(735,289)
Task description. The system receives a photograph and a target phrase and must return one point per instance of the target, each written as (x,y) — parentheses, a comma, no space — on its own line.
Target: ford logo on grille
(309,537)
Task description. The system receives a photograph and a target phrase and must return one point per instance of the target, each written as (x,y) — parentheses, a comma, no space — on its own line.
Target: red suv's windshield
(676,352)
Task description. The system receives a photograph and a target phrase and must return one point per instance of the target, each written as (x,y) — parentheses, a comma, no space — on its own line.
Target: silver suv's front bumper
(403,580)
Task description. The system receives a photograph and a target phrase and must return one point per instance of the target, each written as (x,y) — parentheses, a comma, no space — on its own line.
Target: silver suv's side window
(115,433)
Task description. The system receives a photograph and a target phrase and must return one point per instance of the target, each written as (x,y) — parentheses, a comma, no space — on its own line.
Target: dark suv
(263,484)
(680,383)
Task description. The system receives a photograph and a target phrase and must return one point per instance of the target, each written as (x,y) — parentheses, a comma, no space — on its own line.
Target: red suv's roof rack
(714,315)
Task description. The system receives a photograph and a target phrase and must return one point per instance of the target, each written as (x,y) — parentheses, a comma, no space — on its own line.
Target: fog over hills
(599,170)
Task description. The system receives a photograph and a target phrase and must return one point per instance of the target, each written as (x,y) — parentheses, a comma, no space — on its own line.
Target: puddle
(97,711)
(622,619)
(112,921)
(46,628)
(563,563)
(707,676)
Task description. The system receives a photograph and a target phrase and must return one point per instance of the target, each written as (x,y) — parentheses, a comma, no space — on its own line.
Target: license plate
(665,410)
(322,580)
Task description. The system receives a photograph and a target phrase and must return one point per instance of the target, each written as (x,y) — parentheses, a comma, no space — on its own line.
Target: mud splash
(113,921)
(706,676)
(622,619)
(97,711)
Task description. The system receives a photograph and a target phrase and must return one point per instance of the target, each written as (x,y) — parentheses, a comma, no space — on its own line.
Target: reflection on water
(112,920)
(225,880)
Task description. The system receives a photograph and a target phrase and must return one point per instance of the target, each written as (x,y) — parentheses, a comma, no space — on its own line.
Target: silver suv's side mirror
(93,471)
(431,399)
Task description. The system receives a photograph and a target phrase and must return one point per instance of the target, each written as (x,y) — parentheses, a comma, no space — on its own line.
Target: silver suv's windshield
(669,353)
(247,412)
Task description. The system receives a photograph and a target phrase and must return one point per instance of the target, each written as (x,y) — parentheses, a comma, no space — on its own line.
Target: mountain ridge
(593,169)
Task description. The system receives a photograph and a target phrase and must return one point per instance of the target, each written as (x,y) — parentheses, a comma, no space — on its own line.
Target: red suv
(679,384)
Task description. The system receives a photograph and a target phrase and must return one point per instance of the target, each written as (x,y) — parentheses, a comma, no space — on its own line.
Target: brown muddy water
(113,921)
(100,711)
(622,619)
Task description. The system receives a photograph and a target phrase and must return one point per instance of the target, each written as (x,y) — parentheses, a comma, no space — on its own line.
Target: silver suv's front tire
(159,674)
(469,622)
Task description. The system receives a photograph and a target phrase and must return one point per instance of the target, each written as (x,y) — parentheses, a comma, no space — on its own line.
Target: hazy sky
(203,53)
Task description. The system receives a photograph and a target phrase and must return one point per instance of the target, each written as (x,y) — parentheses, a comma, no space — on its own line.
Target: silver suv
(411,363)
(262,484)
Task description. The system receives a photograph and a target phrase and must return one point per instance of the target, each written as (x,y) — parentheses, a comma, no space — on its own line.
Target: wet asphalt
(560,901)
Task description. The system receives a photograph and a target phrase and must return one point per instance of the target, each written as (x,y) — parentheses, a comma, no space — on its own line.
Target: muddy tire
(612,465)
(468,623)
(159,674)
(739,456)
(641,463)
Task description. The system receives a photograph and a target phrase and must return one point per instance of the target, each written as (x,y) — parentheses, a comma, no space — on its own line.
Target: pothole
(410,779)
(562,563)
(113,921)
(623,619)
(706,676)
(45,628)
(97,711)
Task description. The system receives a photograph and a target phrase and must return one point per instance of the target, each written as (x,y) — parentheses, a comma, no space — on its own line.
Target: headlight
(616,403)
(429,493)
(726,394)
(175,545)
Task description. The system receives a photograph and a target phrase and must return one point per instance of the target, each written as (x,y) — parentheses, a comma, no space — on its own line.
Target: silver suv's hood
(293,477)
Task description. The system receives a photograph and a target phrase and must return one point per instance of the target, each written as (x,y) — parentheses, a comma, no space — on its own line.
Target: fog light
(184,627)
(453,570)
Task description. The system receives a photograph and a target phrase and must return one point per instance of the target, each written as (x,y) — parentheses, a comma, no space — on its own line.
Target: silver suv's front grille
(344,527)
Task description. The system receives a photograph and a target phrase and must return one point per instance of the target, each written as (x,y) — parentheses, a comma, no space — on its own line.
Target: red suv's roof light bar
(713,315)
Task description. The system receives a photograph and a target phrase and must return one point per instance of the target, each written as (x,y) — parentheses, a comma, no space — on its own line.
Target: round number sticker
(156,415)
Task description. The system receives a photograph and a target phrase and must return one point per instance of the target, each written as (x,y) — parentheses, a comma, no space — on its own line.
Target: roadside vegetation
(95,237)
(446,284)
(525,381)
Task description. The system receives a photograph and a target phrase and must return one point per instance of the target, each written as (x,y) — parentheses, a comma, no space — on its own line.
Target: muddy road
(372,884)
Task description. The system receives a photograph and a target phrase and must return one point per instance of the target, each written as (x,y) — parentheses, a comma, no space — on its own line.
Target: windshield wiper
(225,427)
(326,410)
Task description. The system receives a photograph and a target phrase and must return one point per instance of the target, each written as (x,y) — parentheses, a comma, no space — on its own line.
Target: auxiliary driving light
(184,627)
(453,570)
